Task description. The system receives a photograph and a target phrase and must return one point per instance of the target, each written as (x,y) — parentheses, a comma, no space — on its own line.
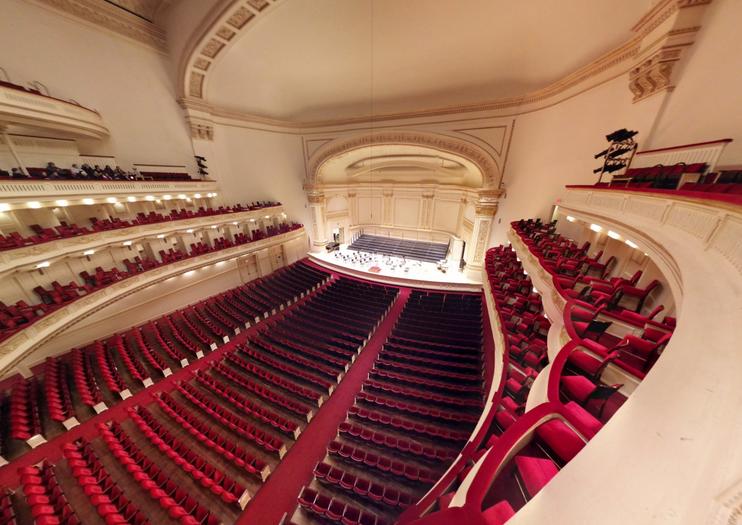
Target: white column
(476,247)
(319,228)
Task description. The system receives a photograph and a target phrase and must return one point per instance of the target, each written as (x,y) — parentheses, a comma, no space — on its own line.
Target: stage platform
(431,252)
(394,270)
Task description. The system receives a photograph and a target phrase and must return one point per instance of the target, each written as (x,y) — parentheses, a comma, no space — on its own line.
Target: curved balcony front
(22,344)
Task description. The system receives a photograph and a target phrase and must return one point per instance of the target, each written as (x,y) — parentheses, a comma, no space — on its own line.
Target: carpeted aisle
(278,495)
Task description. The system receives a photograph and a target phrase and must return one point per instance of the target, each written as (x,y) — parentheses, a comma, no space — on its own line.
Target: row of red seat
(335,510)
(179,504)
(21,315)
(207,475)
(405,435)
(45,234)
(44,496)
(96,483)
(205,434)
(103,370)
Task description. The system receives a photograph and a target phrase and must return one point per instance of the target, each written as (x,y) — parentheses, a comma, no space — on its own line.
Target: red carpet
(52,450)
(278,495)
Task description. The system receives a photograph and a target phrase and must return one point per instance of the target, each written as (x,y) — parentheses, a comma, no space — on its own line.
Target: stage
(395,270)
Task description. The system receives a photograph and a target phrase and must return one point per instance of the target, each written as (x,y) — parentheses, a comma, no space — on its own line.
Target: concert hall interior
(370,262)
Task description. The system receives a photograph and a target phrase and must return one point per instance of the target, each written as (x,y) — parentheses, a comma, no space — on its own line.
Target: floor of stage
(394,270)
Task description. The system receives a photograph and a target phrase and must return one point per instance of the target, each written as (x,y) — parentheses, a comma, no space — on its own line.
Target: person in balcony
(16,173)
(77,172)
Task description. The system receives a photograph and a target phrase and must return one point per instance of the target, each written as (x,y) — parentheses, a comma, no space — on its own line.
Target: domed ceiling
(325,59)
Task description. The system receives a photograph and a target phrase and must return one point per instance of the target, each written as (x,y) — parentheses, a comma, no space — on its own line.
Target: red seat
(561,439)
(535,472)
(498,514)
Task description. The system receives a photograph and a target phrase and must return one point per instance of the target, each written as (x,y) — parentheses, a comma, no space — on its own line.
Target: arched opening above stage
(403,164)
(405,184)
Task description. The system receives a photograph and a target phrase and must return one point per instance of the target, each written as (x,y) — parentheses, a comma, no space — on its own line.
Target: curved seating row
(392,447)
(86,380)
(64,230)
(527,448)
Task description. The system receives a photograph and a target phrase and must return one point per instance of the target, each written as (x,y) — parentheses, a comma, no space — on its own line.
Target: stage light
(127,243)
(613,235)
(62,203)
(43,264)
(161,236)
(88,201)
(33,204)
(181,196)
(596,228)
(149,198)
(167,197)
(196,195)
(189,230)
(570,218)
(131,199)
(631,244)
(88,252)
(112,200)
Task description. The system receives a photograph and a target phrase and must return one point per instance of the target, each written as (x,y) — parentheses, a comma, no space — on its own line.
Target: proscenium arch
(487,165)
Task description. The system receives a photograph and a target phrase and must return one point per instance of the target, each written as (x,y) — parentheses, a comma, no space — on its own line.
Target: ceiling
(324,59)
(147,9)
(399,163)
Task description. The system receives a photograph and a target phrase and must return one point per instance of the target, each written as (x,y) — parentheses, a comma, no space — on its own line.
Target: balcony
(20,345)
(25,108)
(18,192)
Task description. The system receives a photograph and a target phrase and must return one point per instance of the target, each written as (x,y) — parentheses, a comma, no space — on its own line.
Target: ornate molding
(665,32)
(235,17)
(654,75)
(201,130)
(113,18)
(486,164)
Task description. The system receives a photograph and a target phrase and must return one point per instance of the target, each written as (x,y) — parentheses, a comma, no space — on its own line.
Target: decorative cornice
(612,64)
(485,163)
(113,18)
(201,130)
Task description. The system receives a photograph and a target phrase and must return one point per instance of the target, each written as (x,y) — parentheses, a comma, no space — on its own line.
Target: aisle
(279,494)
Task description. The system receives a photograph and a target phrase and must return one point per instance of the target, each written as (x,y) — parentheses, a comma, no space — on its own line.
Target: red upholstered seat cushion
(498,513)
(561,439)
(445,500)
(535,472)
(584,362)
(583,420)
(578,388)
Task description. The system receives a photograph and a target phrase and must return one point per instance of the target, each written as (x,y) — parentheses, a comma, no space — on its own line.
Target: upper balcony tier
(47,244)
(34,193)
(32,109)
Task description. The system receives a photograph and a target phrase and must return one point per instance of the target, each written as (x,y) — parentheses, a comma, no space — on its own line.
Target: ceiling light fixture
(5,207)
(631,244)
(126,243)
(43,264)
(570,218)
(131,198)
(88,201)
(596,228)
(149,198)
(88,252)
(112,200)
(62,203)
(34,204)
(613,235)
